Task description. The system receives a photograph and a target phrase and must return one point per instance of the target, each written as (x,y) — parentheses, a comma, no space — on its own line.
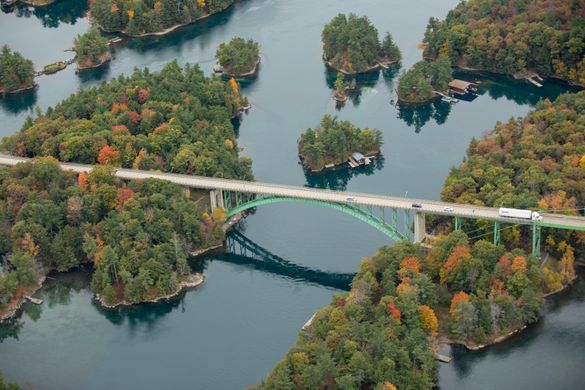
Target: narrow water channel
(230,332)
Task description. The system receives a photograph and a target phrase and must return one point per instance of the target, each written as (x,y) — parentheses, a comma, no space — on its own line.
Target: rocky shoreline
(245,74)
(162,32)
(445,340)
(23,89)
(104,59)
(10,311)
(379,65)
(191,281)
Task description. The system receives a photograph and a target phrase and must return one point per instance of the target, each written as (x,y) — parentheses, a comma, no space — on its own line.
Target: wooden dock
(309,322)
(443,358)
(36,301)
(532,80)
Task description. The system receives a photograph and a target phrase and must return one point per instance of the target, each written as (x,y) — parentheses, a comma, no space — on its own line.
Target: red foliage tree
(394,311)
(108,155)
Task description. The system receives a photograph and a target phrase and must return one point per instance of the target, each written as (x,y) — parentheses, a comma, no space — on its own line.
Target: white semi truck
(518,213)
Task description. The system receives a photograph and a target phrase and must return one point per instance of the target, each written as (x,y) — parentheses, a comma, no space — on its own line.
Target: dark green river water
(230,332)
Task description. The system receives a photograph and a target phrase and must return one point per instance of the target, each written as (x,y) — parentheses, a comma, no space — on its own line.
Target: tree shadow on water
(358,85)
(18,102)
(418,115)
(51,16)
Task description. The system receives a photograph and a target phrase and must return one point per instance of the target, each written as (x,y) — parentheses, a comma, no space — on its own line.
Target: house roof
(357,156)
(460,84)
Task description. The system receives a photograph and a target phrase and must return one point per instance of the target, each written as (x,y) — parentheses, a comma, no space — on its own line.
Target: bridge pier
(419,227)
(187,192)
(216,198)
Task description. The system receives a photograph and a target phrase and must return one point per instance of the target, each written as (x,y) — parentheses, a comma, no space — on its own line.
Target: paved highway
(427,206)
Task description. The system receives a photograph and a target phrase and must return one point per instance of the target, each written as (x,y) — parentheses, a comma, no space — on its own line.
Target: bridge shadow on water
(60,288)
(245,252)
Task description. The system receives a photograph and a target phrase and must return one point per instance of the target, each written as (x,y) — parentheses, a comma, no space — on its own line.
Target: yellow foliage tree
(218,214)
(201,3)
(428,320)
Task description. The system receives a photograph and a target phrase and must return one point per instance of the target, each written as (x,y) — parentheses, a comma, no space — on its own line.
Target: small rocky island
(421,83)
(335,143)
(92,50)
(238,58)
(351,45)
(16,72)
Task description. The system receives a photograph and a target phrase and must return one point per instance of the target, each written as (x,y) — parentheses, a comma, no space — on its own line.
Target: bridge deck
(355,198)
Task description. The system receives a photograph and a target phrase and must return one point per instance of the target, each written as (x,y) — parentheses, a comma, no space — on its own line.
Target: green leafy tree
(238,56)
(16,72)
(91,48)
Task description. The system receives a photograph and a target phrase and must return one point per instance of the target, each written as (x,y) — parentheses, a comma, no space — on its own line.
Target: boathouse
(358,158)
(462,87)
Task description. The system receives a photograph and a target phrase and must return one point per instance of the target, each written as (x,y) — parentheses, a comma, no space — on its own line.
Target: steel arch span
(369,218)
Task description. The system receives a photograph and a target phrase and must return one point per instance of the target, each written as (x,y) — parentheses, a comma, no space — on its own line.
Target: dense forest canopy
(174,120)
(352,44)
(417,84)
(91,48)
(379,335)
(146,16)
(238,56)
(513,36)
(533,163)
(138,236)
(334,141)
(16,72)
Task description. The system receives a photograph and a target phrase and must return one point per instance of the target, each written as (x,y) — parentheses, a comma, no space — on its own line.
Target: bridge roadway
(355,198)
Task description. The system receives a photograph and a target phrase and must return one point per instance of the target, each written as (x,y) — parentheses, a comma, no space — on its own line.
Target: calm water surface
(232,331)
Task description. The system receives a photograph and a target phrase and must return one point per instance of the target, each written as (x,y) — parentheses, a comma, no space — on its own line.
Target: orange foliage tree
(458,255)
(461,296)
(519,264)
(124,195)
(83,180)
(234,85)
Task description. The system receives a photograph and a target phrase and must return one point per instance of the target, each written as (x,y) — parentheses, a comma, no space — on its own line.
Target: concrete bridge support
(419,227)
(216,197)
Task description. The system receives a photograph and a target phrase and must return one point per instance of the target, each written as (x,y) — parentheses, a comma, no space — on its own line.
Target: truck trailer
(518,213)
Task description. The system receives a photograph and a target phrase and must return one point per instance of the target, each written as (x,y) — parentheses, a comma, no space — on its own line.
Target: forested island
(515,37)
(146,17)
(403,303)
(333,142)
(239,57)
(136,235)
(176,120)
(92,50)
(417,84)
(351,45)
(16,72)
(537,162)
(37,3)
